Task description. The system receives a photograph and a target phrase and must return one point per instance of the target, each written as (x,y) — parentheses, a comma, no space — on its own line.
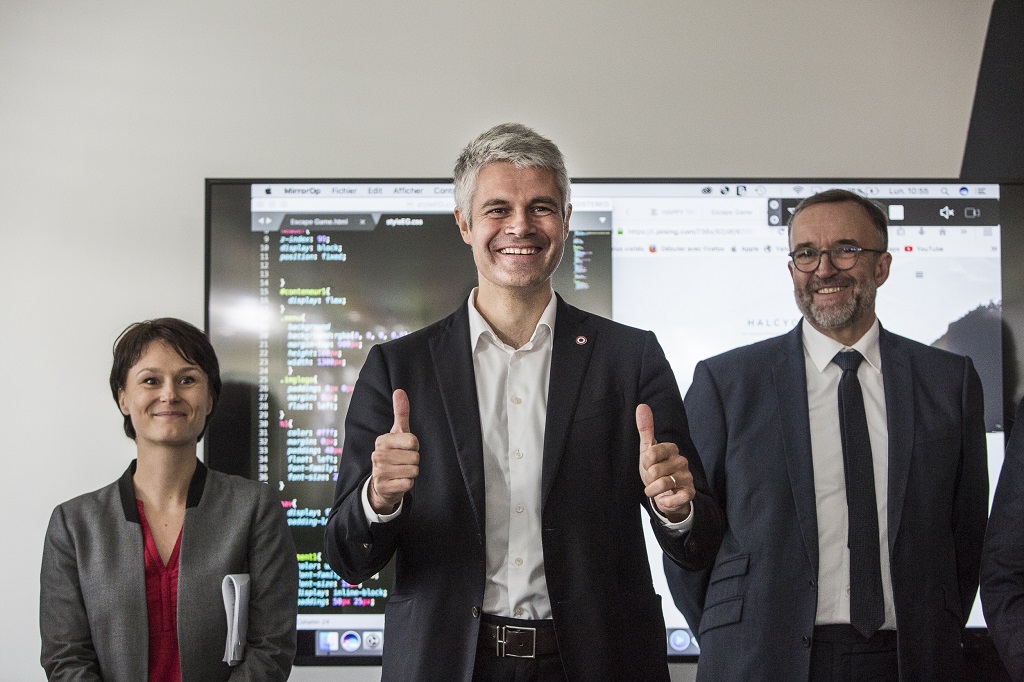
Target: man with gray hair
(503,455)
(851,465)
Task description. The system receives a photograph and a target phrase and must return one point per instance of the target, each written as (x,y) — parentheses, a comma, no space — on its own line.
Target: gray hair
(511,143)
(836,196)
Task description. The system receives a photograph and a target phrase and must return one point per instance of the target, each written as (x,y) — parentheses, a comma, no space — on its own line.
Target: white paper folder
(235,588)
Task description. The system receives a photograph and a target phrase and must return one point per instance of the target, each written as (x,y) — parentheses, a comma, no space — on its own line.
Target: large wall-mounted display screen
(304,276)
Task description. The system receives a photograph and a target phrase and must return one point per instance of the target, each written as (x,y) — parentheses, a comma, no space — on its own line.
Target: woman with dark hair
(131,584)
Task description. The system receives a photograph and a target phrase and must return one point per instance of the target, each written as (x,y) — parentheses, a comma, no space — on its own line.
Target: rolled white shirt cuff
(674,529)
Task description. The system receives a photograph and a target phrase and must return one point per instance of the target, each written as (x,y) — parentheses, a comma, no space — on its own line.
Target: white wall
(112,114)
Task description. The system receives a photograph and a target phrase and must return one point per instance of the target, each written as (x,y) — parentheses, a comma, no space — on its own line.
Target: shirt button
(519,562)
(518,355)
(518,611)
(516,400)
(519,509)
(847,589)
(519,454)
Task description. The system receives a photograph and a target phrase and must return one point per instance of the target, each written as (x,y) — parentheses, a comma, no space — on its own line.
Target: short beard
(863,299)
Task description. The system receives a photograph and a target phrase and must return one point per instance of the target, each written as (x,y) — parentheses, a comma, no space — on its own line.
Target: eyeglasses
(807,259)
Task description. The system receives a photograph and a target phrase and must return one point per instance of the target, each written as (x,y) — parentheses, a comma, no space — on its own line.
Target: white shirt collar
(821,349)
(479,327)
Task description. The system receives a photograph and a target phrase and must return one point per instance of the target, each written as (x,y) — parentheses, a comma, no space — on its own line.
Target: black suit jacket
(1002,561)
(748,415)
(607,616)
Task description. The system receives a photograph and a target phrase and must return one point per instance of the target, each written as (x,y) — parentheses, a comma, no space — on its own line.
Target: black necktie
(867,608)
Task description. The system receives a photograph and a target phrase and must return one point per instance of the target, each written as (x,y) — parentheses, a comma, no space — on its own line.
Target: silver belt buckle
(501,635)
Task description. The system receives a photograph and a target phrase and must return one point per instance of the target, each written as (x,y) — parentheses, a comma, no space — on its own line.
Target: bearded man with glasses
(851,466)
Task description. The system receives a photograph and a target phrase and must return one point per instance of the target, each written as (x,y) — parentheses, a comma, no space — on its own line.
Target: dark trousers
(490,667)
(841,654)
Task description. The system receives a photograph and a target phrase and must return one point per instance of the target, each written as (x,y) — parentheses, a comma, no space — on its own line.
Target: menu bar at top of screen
(355,189)
(653,187)
(905,203)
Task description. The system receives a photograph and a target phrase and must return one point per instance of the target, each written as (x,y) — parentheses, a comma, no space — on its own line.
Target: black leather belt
(518,639)
(843,633)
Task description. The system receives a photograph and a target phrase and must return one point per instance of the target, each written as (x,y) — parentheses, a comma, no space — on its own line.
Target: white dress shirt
(512,393)
(829,478)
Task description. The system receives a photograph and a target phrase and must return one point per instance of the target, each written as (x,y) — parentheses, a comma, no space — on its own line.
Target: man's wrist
(674,528)
(372,515)
(676,516)
(379,504)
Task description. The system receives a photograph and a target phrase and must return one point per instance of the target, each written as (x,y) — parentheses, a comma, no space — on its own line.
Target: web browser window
(705,267)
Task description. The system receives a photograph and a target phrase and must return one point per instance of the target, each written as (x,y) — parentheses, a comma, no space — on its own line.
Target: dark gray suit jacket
(92,612)
(1002,561)
(607,615)
(755,608)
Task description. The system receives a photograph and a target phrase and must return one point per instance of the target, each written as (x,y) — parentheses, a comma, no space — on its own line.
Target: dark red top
(162,604)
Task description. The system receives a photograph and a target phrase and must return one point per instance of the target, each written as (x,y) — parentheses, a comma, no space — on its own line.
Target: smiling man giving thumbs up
(495,456)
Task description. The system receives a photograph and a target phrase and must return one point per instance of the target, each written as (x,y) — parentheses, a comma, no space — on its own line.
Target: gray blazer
(92,612)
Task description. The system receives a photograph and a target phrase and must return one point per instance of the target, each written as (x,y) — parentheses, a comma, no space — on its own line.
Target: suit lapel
(897,382)
(569,360)
(131,562)
(790,379)
(451,350)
